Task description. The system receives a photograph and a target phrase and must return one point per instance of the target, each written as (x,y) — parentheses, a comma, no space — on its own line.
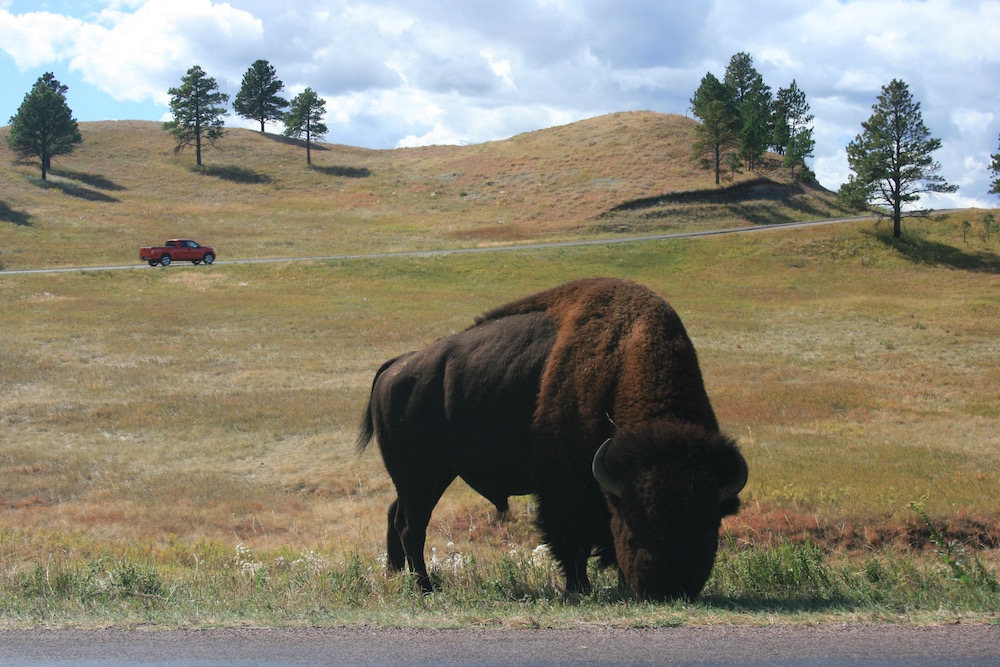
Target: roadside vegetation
(177,444)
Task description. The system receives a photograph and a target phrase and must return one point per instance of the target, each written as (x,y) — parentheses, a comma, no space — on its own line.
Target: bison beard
(521,402)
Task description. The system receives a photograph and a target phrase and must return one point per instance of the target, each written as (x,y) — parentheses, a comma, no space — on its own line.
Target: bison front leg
(573,524)
(573,562)
(566,548)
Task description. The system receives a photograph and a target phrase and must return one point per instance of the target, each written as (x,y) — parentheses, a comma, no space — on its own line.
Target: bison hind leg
(395,556)
(417,496)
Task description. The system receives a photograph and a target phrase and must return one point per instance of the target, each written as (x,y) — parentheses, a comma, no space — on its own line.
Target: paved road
(834,645)
(460,251)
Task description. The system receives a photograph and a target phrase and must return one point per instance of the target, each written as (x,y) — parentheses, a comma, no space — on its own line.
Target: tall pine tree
(891,159)
(753,101)
(305,118)
(792,135)
(995,170)
(199,111)
(714,104)
(258,98)
(43,126)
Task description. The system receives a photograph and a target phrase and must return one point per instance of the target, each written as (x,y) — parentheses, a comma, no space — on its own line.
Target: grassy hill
(255,197)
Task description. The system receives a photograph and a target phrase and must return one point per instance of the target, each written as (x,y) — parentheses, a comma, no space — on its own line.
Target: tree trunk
(308,151)
(896,222)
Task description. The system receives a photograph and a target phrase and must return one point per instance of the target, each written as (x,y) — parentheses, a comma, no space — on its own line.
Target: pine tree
(43,126)
(995,170)
(793,135)
(753,101)
(305,118)
(197,106)
(258,98)
(891,159)
(714,103)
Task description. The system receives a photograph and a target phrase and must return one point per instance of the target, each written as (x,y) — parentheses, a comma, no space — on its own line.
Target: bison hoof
(426,584)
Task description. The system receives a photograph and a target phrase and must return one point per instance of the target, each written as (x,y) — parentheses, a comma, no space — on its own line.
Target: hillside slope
(256,197)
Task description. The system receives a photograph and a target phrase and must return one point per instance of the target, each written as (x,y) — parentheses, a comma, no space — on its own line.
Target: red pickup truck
(177,250)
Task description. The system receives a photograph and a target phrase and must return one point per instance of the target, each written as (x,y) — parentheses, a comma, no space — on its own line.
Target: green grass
(515,588)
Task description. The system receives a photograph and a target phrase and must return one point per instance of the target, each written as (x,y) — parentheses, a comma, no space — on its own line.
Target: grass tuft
(515,589)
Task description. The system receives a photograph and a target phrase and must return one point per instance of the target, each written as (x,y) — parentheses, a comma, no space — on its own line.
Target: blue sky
(414,72)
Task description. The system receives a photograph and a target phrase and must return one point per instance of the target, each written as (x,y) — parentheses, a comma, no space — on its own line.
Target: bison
(588,396)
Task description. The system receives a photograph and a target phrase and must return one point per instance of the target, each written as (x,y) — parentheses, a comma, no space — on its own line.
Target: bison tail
(367,429)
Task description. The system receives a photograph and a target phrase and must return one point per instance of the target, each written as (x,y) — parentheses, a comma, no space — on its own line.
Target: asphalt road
(455,251)
(833,645)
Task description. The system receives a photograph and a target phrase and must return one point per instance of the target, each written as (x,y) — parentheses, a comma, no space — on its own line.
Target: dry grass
(256,197)
(176,413)
(855,387)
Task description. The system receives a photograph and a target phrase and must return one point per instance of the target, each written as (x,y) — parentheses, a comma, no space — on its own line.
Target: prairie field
(177,445)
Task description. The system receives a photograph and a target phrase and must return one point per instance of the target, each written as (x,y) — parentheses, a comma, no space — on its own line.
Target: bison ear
(607,481)
(732,474)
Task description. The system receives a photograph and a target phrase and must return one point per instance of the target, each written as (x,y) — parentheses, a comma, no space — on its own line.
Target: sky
(400,73)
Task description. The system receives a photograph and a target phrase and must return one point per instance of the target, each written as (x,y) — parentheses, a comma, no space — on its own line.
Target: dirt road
(457,251)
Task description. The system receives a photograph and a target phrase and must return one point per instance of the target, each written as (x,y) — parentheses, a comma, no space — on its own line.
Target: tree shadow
(751,190)
(291,141)
(74,190)
(19,218)
(236,174)
(345,172)
(921,250)
(93,180)
(759,201)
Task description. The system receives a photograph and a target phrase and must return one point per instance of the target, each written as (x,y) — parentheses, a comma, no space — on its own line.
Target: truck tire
(209,258)
(165,260)
(153,262)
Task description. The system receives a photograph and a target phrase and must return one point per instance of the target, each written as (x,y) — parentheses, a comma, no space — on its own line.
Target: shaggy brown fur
(520,402)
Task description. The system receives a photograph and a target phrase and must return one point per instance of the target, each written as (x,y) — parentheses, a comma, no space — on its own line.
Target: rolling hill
(256,197)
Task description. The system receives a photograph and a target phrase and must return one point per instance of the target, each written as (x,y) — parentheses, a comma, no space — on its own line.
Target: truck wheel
(152,262)
(165,260)
(209,258)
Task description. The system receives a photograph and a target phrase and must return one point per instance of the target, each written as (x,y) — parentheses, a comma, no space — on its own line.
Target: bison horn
(733,488)
(604,478)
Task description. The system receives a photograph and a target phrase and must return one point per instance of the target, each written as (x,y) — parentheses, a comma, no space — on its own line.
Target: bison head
(668,487)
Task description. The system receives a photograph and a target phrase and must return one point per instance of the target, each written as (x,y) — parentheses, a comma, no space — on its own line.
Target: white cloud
(971,121)
(37,38)
(502,68)
(147,51)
